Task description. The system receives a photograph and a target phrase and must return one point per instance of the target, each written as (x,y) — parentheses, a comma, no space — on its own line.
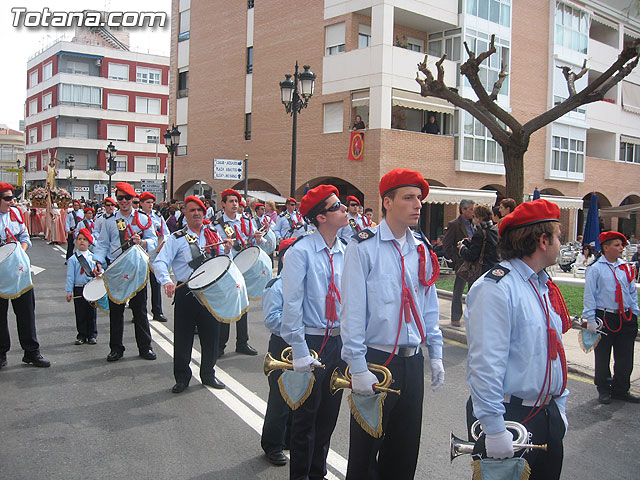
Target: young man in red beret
(117,235)
(610,295)
(311,278)
(73,219)
(13,229)
(356,223)
(290,223)
(515,318)
(109,209)
(389,309)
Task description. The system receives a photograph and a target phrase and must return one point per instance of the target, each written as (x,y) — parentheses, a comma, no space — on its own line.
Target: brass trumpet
(339,381)
(285,362)
(460,447)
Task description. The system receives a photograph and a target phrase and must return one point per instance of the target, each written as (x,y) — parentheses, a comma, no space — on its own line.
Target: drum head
(246,258)
(6,250)
(209,272)
(94,290)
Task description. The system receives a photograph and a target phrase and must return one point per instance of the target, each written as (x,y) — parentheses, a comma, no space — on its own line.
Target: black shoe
(179,387)
(92,341)
(3,362)
(604,397)
(80,341)
(626,397)
(213,383)
(277,458)
(148,355)
(160,318)
(114,356)
(246,349)
(36,360)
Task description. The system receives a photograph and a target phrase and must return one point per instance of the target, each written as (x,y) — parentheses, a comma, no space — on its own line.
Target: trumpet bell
(271,364)
(458,447)
(338,381)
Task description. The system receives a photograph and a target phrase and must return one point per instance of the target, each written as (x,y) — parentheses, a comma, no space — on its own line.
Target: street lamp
(171,141)
(294,100)
(71,162)
(111,154)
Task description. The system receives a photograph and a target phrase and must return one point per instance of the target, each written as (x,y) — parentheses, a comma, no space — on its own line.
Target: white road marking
(58,247)
(36,270)
(243,394)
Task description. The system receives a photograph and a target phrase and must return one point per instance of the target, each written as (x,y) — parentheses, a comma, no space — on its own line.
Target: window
(249,59)
(33,164)
(450,40)
(182,148)
(8,153)
(415,44)
(333,117)
(47,101)
(478,145)
(496,11)
(148,75)
(46,131)
(33,135)
(489,69)
(118,71)
(47,71)
(118,102)
(77,68)
(33,107)
(117,132)
(74,130)
(120,163)
(557,100)
(145,164)
(33,78)
(250,4)
(364,36)
(183,84)
(185,20)
(80,95)
(148,105)
(630,152)
(572,28)
(247,126)
(147,135)
(334,38)
(567,155)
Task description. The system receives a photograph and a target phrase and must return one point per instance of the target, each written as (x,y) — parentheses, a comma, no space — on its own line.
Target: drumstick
(159,247)
(125,243)
(77,296)
(213,245)
(184,283)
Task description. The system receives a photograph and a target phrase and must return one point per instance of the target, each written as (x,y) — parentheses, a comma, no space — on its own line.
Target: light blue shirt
(74,277)
(70,222)
(305,282)
(100,218)
(162,231)
(346,232)
(508,343)
(272,301)
(283,225)
(108,244)
(17,229)
(85,223)
(372,298)
(600,288)
(236,224)
(176,254)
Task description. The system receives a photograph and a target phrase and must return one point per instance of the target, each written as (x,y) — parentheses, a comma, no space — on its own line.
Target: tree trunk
(514,173)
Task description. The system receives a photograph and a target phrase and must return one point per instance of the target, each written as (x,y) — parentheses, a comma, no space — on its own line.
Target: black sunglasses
(354,205)
(124,197)
(335,207)
(8,198)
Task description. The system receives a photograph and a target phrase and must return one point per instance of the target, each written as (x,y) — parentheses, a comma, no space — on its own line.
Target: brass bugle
(285,362)
(339,381)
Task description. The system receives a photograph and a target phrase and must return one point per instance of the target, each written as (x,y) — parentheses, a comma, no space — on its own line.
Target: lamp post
(111,155)
(71,162)
(294,101)
(171,141)
(21,177)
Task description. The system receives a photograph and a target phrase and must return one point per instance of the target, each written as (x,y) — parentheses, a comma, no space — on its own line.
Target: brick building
(226,64)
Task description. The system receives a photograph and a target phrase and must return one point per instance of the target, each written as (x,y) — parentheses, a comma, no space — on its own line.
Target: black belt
(606,311)
(399,351)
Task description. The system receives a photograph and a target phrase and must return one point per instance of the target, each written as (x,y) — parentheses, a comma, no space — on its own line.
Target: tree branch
(571,77)
(498,85)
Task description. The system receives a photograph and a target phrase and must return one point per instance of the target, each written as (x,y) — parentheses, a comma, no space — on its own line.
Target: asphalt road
(84,418)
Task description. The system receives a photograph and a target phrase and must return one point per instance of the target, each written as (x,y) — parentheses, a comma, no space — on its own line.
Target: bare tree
(512,136)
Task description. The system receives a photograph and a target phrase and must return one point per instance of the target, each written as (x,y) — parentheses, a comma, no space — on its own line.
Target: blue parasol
(592,227)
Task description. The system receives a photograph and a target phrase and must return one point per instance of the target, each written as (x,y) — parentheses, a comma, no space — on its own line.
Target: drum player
(137,229)
(13,229)
(185,250)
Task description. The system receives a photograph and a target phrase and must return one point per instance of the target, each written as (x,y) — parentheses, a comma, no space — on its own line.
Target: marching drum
(15,271)
(219,286)
(127,275)
(256,268)
(269,242)
(95,293)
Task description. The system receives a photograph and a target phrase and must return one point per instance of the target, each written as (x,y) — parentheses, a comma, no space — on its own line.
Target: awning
(628,139)
(76,54)
(568,203)
(360,99)
(416,101)
(604,21)
(449,195)
(631,33)
(265,196)
(631,97)
(623,211)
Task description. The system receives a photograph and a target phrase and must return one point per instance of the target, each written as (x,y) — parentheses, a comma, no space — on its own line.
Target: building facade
(11,155)
(86,93)
(226,65)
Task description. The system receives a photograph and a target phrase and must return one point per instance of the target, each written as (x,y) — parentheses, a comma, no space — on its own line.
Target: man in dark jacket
(458,229)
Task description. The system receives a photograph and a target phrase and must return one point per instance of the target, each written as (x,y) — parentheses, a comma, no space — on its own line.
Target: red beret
(284,244)
(315,196)
(192,198)
(230,191)
(89,209)
(5,186)
(242,202)
(256,205)
(403,177)
(75,200)
(530,213)
(86,233)
(611,235)
(111,200)
(351,198)
(126,188)
(291,199)
(146,196)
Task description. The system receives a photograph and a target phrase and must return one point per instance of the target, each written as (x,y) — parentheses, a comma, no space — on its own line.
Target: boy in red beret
(610,295)
(515,318)
(73,219)
(291,223)
(356,221)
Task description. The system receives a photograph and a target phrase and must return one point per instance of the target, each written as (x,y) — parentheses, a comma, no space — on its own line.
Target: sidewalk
(577,361)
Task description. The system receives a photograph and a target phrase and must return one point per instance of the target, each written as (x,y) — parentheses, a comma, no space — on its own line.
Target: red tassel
(422,266)
(553,344)
(559,306)
(563,362)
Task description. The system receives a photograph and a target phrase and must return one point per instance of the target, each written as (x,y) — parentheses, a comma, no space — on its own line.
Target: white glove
(499,445)
(303,364)
(362,383)
(592,327)
(437,373)
(565,420)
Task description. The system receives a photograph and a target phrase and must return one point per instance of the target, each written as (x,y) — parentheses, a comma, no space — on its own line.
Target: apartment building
(88,92)
(11,154)
(226,64)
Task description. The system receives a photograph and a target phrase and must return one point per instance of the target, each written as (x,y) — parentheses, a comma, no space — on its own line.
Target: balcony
(443,11)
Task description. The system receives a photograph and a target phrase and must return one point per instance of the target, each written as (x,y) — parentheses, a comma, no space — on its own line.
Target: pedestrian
(515,318)
(72,220)
(389,271)
(109,209)
(356,223)
(485,235)
(431,126)
(291,223)
(610,295)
